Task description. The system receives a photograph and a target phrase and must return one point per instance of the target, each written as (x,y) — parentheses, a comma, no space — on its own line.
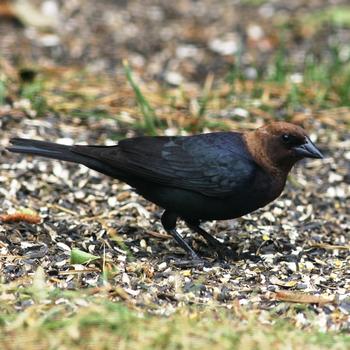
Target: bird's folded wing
(215,164)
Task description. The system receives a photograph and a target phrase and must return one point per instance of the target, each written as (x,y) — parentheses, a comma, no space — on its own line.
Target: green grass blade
(148,113)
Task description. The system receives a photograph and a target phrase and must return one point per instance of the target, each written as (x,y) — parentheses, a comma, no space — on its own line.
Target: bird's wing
(214,164)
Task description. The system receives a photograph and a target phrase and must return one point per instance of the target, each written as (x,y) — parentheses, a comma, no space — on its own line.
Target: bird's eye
(285,138)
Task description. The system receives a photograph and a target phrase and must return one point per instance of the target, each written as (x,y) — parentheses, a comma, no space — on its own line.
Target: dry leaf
(331,246)
(302,298)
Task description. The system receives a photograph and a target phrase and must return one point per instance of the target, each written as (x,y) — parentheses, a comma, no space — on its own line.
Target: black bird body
(203,177)
(212,176)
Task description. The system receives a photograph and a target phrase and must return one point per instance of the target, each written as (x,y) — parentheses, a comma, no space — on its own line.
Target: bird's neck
(265,156)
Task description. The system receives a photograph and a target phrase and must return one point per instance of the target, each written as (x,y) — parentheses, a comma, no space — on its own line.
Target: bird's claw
(224,253)
(191,263)
(227,254)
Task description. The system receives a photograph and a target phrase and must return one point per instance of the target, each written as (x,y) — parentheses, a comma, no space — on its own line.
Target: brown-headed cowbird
(214,176)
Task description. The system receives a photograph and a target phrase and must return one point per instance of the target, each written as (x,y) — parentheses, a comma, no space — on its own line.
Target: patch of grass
(33,91)
(286,88)
(333,15)
(96,113)
(3,90)
(235,73)
(205,98)
(95,319)
(253,2)
(324,83)
(200,105)
(149,117)
(332,78)
(294,97)
(280,66)
(61,322)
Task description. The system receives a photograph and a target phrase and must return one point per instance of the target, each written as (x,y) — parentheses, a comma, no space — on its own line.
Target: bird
(197,178)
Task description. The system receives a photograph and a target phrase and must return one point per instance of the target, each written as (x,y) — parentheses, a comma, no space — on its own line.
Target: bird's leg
(169,223)
(220,248)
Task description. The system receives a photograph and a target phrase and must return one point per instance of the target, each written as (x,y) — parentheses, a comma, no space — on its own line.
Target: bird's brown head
(279,145)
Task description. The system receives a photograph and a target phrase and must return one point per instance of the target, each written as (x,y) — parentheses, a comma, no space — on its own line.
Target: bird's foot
(225,253)
(228,254)
(250,256)
(190,263)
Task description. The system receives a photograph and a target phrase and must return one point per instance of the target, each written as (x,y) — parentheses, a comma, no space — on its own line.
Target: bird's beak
(308,150)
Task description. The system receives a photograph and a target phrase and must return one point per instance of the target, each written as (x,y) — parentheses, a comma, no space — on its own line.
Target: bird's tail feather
(72,154)
(45,149)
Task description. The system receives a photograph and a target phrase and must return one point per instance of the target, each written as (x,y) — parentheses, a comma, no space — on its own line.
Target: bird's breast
(264,189)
